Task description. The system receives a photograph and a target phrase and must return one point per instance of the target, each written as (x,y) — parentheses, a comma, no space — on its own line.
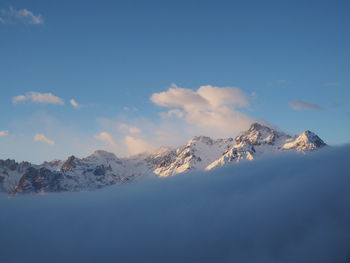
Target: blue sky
(112,56)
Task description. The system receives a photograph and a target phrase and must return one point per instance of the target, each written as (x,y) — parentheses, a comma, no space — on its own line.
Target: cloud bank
(304,105)
(12,15)
(286,209)
(39,98)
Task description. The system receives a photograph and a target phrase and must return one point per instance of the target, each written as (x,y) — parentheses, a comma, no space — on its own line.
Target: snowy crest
(104,168)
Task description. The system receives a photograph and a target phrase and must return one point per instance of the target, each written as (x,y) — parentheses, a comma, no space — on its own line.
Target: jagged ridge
(103,168)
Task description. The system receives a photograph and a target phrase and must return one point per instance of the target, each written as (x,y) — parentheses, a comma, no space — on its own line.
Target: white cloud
(209,107)
(220,96)
(37,97)
(74,103)
(179,97)
(12,15)
(136,145)
(304,105)
(4,133)
(124,139)
(40,137)
(106,137)
(129,129)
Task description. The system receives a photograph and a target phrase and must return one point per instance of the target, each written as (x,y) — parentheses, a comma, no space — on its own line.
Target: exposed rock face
(71,163)
(10,174)
(95,171)
(39,180)
(103,168)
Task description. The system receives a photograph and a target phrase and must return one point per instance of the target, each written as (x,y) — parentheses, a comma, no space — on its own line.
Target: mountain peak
(257,127)
(308,134)
(70,163)
(257,134)
(305,141)
(313,138)
(103,154)
(203,139)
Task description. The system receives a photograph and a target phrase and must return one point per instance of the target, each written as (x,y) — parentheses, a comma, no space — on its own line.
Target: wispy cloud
(129,129)
(13,15)
(37,97)
(282,81)
(136,145)
(4,133)
(74,103)
(40,137)
(105,137)
(304,105)
(128,144)
(331,84)
(134,109)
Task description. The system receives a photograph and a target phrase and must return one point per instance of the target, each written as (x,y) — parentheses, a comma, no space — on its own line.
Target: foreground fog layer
(284,209)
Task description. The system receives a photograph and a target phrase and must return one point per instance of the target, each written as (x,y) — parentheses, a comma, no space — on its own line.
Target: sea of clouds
(290,208)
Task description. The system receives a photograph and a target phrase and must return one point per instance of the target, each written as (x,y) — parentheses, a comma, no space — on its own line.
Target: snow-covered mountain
(95,171)
(103,168)
(197,153)
(11,173)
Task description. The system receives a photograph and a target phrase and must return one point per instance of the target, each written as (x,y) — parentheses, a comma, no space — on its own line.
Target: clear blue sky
(108,55)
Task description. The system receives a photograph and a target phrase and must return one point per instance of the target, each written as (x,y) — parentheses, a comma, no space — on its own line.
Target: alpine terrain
(103,168)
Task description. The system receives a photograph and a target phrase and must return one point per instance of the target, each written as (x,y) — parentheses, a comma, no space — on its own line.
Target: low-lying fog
(292,208)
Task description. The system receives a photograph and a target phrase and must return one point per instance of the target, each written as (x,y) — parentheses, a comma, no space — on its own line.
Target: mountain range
(103,168)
